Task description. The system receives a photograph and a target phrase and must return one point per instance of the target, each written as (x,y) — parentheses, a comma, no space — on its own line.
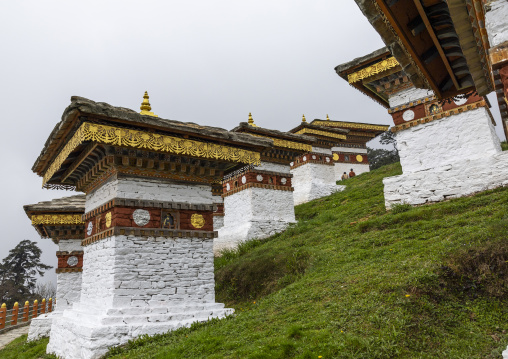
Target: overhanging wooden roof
(438,44)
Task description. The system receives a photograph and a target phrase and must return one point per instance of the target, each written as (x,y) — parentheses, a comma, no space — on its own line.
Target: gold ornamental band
(151,141)
(321,133)
(373,70)
(56,219)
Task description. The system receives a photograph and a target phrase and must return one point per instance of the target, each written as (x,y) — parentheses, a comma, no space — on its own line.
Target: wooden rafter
(412,52)
(432,34)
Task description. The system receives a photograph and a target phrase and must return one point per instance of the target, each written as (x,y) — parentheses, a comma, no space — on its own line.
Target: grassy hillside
(353,281)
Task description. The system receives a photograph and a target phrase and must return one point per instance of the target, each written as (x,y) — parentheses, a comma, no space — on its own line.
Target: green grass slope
(351,280)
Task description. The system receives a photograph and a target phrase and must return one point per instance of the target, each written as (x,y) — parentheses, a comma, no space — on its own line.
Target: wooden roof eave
(464,28)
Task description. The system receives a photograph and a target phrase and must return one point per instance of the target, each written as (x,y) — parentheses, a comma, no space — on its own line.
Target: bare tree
(45,290)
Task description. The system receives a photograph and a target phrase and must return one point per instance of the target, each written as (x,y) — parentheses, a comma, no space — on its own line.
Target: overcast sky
(209,62)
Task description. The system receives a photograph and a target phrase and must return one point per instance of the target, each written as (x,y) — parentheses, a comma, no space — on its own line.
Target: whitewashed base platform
(86,332)
(449,181)
(41,326)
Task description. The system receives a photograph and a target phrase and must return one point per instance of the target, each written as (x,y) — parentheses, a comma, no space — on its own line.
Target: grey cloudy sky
(210,62)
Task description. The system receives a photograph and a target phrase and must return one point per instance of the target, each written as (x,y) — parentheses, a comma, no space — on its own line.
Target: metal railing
(17,316)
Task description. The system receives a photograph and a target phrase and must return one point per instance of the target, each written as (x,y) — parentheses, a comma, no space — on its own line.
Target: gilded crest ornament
(108,219)
(359,158)
(197,220)
(335,157)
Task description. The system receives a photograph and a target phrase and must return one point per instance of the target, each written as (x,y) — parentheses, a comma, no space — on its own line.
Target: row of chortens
(162,197)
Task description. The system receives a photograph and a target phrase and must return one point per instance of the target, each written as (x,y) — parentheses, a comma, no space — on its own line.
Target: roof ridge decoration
(372,70)
(277,142)
(352,125)
(321,133)
(251,121)
(303,118)
(151,141)
(145,106)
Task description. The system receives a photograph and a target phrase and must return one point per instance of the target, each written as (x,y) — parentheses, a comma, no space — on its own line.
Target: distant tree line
(18,274)
(381,157)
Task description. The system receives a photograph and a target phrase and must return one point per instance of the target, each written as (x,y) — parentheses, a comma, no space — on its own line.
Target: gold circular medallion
(335,157)
(108,219)
(359,158)
(197,220)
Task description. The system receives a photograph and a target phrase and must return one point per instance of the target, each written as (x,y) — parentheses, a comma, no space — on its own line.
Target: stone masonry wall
(496,22)
(405,96)
(312,181)
(145,189)
(128,271)
(68,288)
(467,136)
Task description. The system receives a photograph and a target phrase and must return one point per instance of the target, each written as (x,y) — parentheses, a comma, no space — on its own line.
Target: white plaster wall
(144,189)
(312,181)
(274,167)
(358,168)
(258,204)
(40,327)
(348,149)
(450,181)
(69,245)
(467,136)
(326,151)
(68,289)
(405,96)
(98,276)
(127,271)
(218,222)
(496,22)
(254,213)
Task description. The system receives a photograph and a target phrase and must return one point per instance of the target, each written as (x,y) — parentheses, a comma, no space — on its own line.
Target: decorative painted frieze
(317,158)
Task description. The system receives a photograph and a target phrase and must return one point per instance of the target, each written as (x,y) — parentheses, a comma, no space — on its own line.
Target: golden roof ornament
(303,118)
(145,106)
(251,121)
(327,118)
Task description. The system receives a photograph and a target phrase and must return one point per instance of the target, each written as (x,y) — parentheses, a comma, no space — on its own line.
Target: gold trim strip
(362,134)
(286,144)
(56,219)
(321,133)
(350,125)
(375,69)
(139,139)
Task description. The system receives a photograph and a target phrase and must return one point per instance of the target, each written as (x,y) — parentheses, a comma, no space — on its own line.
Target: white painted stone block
(68,290)
(218,222)
(452,157)
(273,167)
(326,151)
(312,181)
(411,94)
(496,22)
(466,136)
(254,213)
(454,180)
(134,286)
(144,189)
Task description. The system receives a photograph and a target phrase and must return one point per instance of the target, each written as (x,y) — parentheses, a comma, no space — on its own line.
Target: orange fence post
(35,309)
(15,311)
(43,306)
(50,305)
(3,314)
(26,309)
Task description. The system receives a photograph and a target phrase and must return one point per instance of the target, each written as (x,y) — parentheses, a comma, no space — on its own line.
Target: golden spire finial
(145,106)
(303,118)
(327,118)
(251,120)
